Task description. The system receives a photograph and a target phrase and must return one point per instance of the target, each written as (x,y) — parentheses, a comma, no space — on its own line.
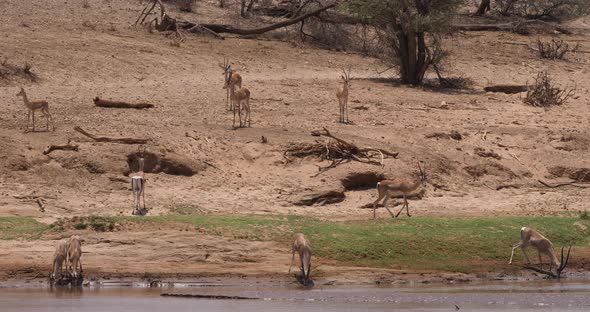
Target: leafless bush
(555,49)
(8,71)
(544,94)
(85,4)
(544,9)
(334,36)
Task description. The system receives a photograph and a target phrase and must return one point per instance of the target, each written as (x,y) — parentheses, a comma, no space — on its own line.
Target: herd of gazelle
(238,99)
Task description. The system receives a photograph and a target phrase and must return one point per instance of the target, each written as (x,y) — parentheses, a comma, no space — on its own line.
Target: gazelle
(240,100)
(73,254)
(342,95)
(235,78)
(405,186)
(530,237)
(32,106)
(302,246)
(59,257)
(138,184)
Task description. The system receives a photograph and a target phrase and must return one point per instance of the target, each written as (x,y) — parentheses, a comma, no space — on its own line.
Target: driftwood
(322,197)
(337,150)
(169,23)
(562,266)
(508,89)
(112,140)
(67,147)
(572,183)
(116,104)
(41,205)
(220,297)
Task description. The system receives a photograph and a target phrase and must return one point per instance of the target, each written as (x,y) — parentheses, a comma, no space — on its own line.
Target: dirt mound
(576,174)
(361,180)
(172,164)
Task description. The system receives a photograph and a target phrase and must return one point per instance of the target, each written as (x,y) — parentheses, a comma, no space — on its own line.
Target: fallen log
(112,140)
(322,197)
(572,183)
(219,28)
(67,147)
(509,26)
(508,89)
(116,104)
(219,297)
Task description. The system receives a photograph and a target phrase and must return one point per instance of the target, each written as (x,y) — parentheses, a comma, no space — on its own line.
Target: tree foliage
(409,30)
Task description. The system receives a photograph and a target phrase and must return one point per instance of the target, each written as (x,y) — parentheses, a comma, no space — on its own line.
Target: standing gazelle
(342,95)
(405,186)
(138,184)
(302,246)
(530,237)
(235,78)
(32,106)
(240,100)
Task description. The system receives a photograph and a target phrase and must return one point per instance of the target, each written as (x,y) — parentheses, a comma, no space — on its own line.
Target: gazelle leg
(407,207)
(523,247)
(51,119)
(234,110)
(292,258)
(33,121)
(387,196)
(346,109)
(540,261)
(513,249)
(403,206)
(28,121)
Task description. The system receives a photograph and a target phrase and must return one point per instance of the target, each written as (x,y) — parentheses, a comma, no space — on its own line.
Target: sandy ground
(81,53)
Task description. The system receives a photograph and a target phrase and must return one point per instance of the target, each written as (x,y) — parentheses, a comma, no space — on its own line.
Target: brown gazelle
(530,237)
(302,246)
(74,252)
(240,100)
(386,188)
(235,78)
(32,106)
(342,95)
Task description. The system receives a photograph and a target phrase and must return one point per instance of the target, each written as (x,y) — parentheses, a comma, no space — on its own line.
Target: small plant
(554,49)
(85,4)
(543,94)
(80,226)
(584,215)
(89,25)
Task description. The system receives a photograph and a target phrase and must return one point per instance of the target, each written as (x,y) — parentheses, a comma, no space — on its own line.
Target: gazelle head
(306,265)
(21,92)
(346,77)
(141,154)
(421,172)
(227,72)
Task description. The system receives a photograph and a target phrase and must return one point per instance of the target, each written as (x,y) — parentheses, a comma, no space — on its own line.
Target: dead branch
(67,147)
(509,26)
(337,151)
(571,183)
(116,104)
(218,28)
(112,140)
(563,264)
(41,205)
(508,89)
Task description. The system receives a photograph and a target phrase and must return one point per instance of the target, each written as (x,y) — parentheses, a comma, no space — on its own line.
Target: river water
(114,297)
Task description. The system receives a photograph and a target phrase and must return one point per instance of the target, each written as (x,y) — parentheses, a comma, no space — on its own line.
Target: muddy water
(506,296)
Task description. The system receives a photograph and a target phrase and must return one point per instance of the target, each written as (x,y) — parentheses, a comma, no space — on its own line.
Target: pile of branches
(544,94)
(554,49)
(336,150)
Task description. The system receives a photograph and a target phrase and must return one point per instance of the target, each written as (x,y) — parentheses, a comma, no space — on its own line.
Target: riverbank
(207,247)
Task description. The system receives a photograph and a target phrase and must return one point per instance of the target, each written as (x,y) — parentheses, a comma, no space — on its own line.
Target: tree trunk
(243,9)
(484,6)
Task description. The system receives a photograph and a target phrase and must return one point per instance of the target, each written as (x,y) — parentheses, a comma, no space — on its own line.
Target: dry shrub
(544,94)
(85,4)
(89,25)
(9,71)
(554,49)
(182,5)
